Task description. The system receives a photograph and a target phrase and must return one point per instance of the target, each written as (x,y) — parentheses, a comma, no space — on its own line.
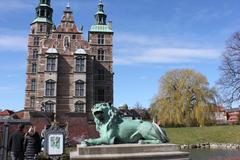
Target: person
(32,144)
(16,144)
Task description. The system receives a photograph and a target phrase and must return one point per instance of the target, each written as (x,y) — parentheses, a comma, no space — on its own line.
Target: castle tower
(67,75)
(40,29)
(100,41)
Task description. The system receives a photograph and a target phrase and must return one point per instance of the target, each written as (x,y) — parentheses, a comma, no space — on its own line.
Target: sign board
(55,144)
(54,140)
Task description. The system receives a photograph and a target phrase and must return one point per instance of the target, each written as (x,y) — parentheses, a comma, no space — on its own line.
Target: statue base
(130,152)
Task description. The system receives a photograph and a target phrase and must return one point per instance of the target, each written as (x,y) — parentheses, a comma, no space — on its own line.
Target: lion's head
(102,112)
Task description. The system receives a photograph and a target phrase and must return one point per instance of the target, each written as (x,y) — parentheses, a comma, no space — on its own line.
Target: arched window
(50,88)
(79,89)
(49,106)
(101,55)
(33,85)
(32,102)
(79,107)
(101,39)
(66,42)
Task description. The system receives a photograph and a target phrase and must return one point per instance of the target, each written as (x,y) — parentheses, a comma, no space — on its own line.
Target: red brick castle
(66,74)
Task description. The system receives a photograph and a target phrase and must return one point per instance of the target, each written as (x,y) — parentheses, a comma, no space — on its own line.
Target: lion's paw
(84,144)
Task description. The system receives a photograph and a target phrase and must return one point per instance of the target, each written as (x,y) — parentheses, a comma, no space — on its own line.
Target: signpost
(54,140)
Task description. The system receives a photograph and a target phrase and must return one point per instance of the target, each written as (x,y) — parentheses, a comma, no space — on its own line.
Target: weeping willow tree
(184,99)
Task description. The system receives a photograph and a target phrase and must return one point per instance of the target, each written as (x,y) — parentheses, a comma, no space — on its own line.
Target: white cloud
(135,49)
(13,43)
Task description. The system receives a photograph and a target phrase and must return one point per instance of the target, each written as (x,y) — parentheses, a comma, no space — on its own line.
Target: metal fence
(1,140)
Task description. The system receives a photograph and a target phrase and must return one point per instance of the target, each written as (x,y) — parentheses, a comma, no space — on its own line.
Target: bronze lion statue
(115,129)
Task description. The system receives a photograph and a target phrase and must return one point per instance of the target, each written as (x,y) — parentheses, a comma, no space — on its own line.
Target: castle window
(101,55)
(79,89)
(50,88)
(49,106)
(74,36)
(100,74)
(79,107)
(66,42)
(35,54)
(43,1)
(33,84)
(100,95)
(41,28)
(101,39)
(51,64)
(33,31)
(36,41)
(34,68)
(80,64)
(59,36)
(42,13)
(32,102)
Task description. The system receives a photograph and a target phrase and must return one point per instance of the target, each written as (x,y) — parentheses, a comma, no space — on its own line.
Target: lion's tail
(161,132)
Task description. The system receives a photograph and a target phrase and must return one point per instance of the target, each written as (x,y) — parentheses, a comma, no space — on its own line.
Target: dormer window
(80,64)
(51,64)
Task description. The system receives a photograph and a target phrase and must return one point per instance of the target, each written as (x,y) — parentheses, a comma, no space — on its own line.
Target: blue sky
(151,38)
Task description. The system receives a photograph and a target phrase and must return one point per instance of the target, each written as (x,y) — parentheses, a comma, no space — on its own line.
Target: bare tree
(230,70)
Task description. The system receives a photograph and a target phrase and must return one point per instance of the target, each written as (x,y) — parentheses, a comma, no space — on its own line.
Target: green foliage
(196,135)
(184,99)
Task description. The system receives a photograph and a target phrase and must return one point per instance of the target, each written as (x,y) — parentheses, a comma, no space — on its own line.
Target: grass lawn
(196,135)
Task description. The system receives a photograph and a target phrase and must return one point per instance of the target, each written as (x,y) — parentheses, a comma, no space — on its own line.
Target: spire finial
(68,4)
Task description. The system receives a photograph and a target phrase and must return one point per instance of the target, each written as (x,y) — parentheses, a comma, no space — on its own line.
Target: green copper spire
(100,16)
(44,12)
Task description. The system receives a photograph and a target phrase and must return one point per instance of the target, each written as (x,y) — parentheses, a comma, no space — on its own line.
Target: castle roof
(101,28)
(52,50)
(80,51)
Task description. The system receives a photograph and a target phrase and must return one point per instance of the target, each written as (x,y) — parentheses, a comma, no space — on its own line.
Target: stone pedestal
(130,152)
